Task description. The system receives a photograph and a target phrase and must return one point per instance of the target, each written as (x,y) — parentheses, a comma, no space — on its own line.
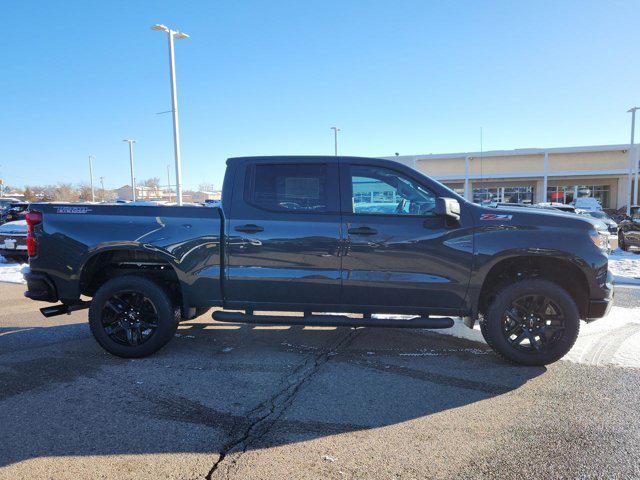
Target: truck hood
(544,217)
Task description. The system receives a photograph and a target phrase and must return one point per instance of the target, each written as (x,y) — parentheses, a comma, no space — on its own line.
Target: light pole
(102,187)
(169,182)
(174,104)
(133,177)
(93,193)
(633,162)
(335,140)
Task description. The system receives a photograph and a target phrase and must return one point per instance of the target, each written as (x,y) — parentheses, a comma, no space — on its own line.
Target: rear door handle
(362,231)
(249,228)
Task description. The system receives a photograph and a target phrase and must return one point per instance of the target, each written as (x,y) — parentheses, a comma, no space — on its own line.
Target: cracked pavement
(254,402)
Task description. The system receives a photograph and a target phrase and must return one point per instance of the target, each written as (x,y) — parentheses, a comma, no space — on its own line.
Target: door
(398,252)
(284,234)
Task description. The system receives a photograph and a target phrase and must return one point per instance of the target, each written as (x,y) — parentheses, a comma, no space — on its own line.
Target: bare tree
(84,192)
(63,192)
(152,182)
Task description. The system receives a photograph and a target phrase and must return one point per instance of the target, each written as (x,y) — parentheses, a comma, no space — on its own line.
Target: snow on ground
(612,340)
(12,272)
(625,266)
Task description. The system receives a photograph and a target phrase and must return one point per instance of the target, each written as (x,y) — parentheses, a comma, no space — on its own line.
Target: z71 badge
(72,210)
(496,216)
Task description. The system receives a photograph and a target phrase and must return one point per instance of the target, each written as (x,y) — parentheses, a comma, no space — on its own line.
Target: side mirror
(448,207)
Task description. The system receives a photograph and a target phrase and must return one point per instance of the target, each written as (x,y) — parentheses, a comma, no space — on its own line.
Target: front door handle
(249,228)
(362,231)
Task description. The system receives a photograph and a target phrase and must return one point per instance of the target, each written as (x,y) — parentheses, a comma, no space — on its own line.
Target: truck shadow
(220,387)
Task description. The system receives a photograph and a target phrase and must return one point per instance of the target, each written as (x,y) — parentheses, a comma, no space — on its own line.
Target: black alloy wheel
(132,316)
(533,323)
(129,318)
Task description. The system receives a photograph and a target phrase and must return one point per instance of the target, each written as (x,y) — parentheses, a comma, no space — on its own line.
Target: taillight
(33,219)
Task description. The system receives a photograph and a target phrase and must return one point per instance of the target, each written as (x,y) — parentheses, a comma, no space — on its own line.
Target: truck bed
(80,241)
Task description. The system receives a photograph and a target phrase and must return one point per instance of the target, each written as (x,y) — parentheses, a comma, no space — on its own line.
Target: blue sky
(272,77)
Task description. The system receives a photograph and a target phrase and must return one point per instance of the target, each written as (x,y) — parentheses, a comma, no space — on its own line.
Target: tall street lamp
(335,140)
(174,104)
(93,193)
(133,177)
(633,162)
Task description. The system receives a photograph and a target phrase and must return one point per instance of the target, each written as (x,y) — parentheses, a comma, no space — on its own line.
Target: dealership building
(534,175)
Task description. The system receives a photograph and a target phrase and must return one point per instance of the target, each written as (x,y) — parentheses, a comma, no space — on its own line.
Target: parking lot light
(133,176)
(171,34)
(633,162)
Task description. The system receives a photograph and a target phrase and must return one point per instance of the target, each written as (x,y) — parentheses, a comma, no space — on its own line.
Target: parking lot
(236,401)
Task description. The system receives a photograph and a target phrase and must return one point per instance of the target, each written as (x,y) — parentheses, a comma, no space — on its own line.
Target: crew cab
(360,236)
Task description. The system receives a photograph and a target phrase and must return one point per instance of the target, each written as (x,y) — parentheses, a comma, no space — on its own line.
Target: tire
(128,327)
(542,325)
(621,243)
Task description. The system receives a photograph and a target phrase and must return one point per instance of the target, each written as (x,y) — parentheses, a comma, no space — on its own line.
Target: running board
(63,308)
(333,320)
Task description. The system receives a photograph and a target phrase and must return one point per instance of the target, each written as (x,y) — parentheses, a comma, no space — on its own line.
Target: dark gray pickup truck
(323,234)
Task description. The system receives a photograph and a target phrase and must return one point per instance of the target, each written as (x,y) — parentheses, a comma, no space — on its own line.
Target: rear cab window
(290,188)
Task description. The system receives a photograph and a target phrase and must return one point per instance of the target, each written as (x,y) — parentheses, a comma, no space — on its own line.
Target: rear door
(284,233)
(399,253)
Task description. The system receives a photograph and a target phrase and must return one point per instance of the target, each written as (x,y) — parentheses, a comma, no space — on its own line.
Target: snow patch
(12,272)
(625,267)
(612,340)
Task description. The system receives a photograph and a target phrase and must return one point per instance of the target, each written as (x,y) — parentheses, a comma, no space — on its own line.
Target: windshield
(598,215)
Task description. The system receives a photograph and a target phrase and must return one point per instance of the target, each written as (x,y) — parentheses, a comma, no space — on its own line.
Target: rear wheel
(132,317)
(532,322)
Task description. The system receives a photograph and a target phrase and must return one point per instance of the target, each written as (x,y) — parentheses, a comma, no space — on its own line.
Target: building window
(523,194)
(568,193)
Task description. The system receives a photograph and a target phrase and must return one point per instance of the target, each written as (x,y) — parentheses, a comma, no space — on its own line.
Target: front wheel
(132,317)
(532,322)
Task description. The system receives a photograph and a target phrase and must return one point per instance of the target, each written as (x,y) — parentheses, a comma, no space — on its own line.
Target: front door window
(381,191)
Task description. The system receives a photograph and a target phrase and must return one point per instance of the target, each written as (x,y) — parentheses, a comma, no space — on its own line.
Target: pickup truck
(319,236)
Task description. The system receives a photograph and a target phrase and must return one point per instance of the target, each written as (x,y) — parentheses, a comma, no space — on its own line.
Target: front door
(398,251)
(284,234)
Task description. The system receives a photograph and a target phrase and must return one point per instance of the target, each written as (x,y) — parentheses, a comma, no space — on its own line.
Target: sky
(272,77)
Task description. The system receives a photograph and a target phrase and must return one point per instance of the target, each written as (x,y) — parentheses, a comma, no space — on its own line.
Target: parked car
(15,211)
(612,226)
(629,231)
(5,202)
(563,207)
(13,240)
(287,238)
(587,203)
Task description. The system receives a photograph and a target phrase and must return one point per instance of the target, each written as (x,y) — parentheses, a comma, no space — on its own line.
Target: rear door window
(288,187)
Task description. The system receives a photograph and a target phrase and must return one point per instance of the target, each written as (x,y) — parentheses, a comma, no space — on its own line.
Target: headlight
(600,240)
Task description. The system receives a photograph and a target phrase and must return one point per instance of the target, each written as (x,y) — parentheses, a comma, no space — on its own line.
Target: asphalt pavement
(257,402)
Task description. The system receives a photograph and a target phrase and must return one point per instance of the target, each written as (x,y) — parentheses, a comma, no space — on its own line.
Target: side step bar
(333,320)
(63,308)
